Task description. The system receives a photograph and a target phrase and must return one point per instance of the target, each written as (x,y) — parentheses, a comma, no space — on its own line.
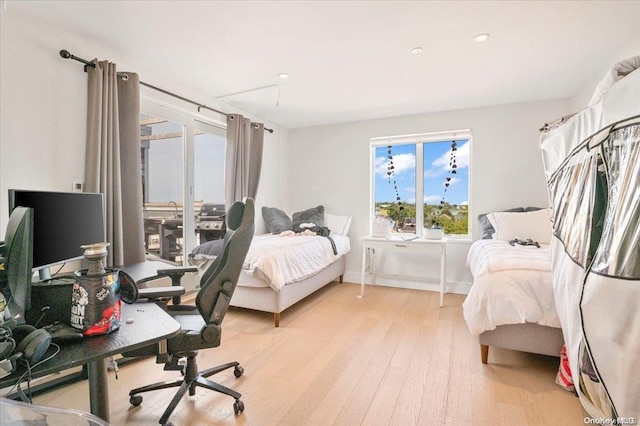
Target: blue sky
(436,167)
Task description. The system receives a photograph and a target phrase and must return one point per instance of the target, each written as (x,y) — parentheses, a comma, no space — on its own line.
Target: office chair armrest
(176,274)
(154,293)
(170,272)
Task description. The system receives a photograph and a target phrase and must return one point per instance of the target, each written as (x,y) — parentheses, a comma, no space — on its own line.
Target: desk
(369,244)
(151,324)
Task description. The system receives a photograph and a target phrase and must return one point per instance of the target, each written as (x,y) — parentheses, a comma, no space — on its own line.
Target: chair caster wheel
(238,371)
(135,400)
(238,407)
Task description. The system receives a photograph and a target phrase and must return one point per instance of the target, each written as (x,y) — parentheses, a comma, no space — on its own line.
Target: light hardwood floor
(392,358)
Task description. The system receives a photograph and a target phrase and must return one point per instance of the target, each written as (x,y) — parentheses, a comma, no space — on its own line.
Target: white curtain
(113,164)
(245,140)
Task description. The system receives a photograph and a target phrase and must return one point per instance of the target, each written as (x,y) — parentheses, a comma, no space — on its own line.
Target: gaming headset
(23,343)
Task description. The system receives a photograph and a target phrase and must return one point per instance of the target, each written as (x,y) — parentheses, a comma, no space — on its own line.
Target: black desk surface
(151,324)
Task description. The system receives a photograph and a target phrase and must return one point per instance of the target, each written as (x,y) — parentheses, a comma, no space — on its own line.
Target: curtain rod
(65,54)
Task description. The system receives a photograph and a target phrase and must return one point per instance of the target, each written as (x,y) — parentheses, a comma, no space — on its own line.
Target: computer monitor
(62,222)
(15,255)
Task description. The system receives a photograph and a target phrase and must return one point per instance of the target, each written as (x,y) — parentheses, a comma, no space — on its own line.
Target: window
(422,181)
(183,158)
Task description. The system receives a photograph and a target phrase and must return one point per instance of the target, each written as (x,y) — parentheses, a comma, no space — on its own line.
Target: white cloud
(410,192)
(441,165)
(432,199)
(464,203)
(401,163)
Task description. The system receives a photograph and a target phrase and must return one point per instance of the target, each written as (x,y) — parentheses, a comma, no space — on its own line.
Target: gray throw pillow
(276,220)
(314,215)
(486,228)
(210,248)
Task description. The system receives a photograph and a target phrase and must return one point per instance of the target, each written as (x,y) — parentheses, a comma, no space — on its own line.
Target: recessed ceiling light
(482,37)
(283,75)
(416,50)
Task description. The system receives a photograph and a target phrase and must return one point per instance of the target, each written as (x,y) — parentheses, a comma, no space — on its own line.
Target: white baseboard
(457,287)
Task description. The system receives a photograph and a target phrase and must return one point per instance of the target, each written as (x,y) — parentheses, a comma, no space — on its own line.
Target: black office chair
(200,324)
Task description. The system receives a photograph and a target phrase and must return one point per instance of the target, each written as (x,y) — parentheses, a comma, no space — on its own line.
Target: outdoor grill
(210,222)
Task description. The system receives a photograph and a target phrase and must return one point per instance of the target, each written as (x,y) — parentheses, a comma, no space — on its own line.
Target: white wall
(43,109)
(329,165)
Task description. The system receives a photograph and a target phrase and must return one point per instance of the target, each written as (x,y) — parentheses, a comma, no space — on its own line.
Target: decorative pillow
(337,224)
(209,248)
(276,220)
(486,229)
(314,215)
(535,225)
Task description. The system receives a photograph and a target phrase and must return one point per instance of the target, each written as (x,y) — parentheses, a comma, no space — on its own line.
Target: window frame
(419,140)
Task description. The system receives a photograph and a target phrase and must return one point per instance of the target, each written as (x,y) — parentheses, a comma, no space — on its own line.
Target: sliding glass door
(183,175)
(208,182)
(162,152)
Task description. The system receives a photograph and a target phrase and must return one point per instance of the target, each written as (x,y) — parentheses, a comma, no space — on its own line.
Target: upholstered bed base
(268,300)
(527,337)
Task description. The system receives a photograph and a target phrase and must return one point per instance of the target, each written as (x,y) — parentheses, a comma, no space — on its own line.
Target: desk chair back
(220,279)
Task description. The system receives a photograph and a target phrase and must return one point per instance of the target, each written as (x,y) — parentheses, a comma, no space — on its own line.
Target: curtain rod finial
(65,54)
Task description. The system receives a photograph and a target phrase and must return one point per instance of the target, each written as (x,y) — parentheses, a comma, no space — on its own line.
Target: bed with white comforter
(511,303)
(512,285)
(276,260)
(279,271)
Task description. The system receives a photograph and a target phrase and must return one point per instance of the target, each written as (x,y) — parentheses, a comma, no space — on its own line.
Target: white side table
(398,244)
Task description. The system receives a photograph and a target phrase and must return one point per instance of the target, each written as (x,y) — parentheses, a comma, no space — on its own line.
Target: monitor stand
(44,274)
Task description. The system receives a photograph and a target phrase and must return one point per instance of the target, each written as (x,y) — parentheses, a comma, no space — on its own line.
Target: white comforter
(511,285)
(283,260)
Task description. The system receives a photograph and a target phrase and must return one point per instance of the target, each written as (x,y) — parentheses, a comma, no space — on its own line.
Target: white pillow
(535,225)
(337,224)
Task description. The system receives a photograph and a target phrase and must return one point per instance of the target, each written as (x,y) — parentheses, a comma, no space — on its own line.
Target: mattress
(511,285)
(280,260)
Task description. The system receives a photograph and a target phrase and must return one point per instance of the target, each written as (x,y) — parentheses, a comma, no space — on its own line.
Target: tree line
(450,222)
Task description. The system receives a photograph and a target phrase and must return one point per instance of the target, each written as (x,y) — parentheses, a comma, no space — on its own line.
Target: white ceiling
(351,60)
